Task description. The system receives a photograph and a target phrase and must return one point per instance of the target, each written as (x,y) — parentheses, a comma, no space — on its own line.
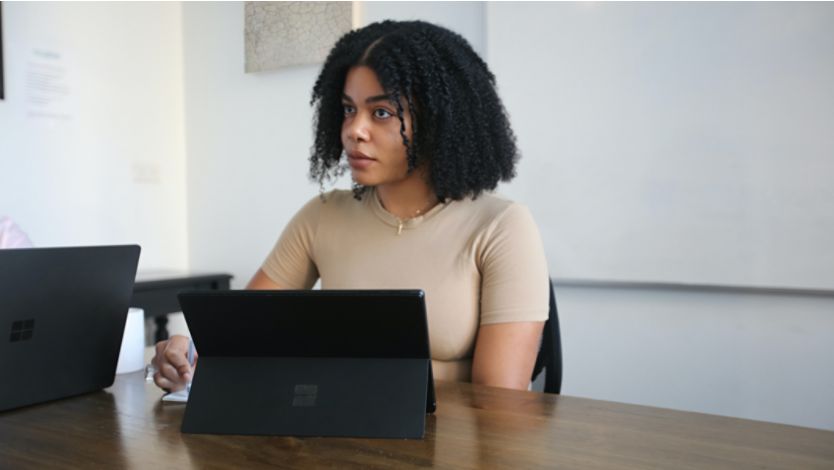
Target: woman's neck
(404,198)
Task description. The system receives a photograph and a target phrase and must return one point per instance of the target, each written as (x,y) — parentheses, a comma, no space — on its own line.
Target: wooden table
(127,426)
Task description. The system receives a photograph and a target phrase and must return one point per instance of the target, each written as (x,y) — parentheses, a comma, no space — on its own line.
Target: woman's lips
(359,161)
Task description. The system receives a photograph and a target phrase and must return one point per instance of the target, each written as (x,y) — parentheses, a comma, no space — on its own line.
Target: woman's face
(371,131)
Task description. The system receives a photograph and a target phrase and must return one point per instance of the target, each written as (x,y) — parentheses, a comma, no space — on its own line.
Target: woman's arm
(515,290)
(260,281)
(505,354)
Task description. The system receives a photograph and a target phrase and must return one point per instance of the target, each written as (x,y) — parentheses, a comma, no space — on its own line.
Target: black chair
(547,373)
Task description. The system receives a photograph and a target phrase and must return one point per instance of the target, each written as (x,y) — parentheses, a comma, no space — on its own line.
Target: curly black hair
(461,131)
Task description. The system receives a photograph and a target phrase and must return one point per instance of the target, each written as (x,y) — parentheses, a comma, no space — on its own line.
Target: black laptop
(309,363)
(62,318)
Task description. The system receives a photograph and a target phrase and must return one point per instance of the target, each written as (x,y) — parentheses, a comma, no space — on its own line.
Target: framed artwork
(286,34)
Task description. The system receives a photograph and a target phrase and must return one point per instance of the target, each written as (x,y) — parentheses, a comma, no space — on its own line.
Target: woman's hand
(171,363)
(171,360)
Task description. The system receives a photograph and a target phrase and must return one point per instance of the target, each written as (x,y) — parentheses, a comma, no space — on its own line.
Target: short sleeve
(515,284)
(291,263)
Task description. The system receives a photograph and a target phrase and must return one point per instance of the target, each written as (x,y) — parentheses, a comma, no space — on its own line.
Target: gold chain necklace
(399,220)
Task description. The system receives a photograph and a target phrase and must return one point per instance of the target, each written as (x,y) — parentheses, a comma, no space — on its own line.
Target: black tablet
(309,363)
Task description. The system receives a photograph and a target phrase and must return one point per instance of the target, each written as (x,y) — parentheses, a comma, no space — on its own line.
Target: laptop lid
(62,318)
(309,363)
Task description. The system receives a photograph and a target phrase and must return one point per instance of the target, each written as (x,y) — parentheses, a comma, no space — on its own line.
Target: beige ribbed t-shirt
(478,262)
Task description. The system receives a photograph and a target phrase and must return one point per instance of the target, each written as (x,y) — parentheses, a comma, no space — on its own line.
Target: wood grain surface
(127,426)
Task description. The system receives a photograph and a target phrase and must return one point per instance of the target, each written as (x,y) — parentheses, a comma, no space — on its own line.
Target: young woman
(411,110)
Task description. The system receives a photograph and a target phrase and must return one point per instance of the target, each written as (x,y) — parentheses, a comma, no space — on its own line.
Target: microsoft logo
(305,395)
(22,330)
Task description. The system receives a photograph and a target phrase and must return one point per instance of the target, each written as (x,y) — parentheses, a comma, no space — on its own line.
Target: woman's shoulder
(336,205)
(334,197)
(491,207)
(494,216)
(341,196)
(306,222)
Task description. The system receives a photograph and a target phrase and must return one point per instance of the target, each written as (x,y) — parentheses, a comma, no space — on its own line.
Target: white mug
(132,354)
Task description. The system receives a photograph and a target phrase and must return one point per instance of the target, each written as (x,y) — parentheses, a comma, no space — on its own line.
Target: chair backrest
(547,373)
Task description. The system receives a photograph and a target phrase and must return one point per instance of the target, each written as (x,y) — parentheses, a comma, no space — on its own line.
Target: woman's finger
(177,355)
(166,384)
(170,372)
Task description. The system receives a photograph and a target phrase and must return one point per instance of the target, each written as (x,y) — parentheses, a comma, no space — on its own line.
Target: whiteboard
(674,142)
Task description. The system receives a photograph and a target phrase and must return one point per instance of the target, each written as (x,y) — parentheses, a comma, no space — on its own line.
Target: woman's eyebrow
(372,99)
(376,98)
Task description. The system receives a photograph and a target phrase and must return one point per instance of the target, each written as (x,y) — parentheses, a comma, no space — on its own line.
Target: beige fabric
(464,255)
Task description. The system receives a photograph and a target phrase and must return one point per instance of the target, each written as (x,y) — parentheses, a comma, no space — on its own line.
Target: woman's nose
(358,129)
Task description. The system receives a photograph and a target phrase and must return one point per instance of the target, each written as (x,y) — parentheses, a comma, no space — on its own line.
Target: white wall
(465,18)
(679,142)
(249,135)
(86,182)
(762,357)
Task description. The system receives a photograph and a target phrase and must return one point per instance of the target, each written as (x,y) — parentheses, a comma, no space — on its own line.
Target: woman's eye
(348,109)
(382,113)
